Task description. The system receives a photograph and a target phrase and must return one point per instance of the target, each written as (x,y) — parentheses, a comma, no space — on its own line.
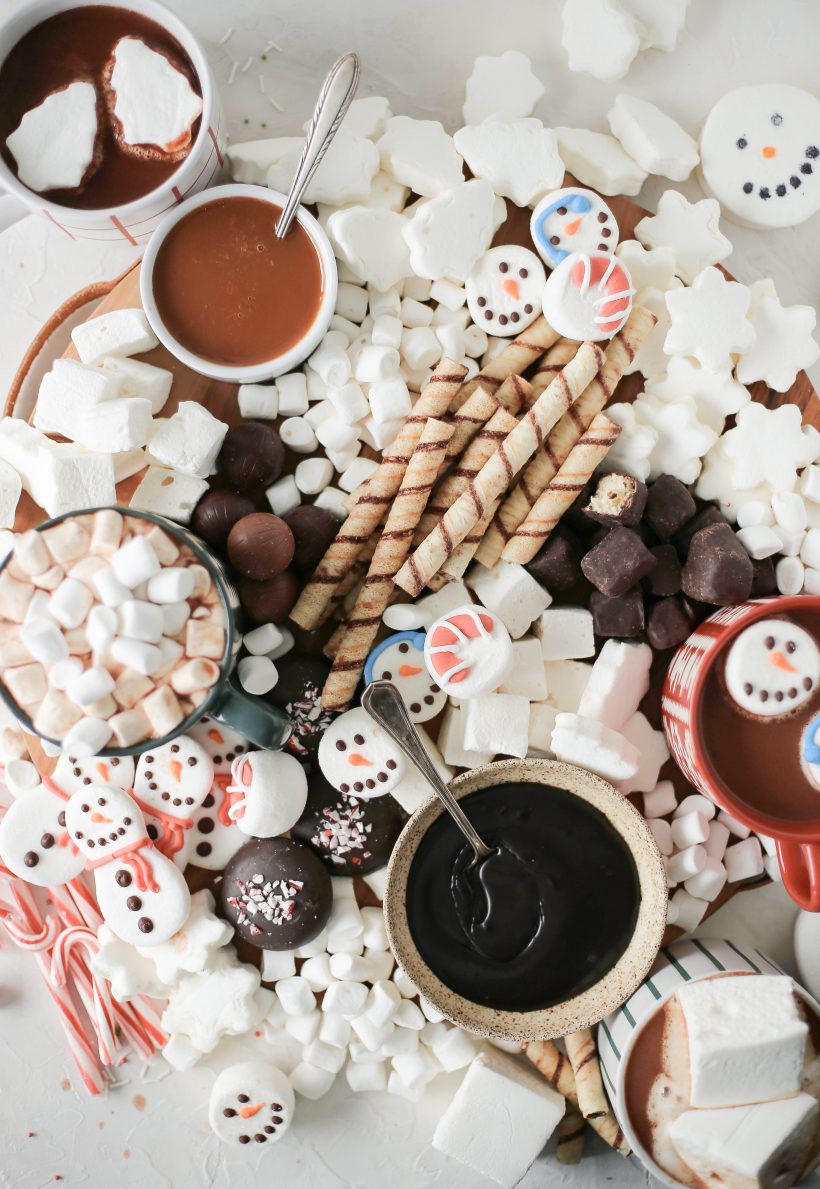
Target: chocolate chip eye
(358,740)
(341,745)
(404,648)
(84,808)
(742,142)
(242,1098)
(114,763)
(174,748)
(602,217)
(86,780)
(791,646)
(812,151)
(523,272)
(555,239)
(192,761)
(562,210)
(488,315)
(387,675)
(769,642)
(47,841)
(482,301)
(30,859)
(101,800)
(777,119)
(189,800)
(748,687)
(503,266)
(77,772)
(126,821)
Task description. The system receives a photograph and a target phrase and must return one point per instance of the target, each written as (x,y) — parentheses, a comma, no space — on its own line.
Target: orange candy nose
(358,760)
(572,228)
(769,150)
(511,287)
(779,661)
(247,1112)
(102,771)
(409,670)
(176,770)
(100,817)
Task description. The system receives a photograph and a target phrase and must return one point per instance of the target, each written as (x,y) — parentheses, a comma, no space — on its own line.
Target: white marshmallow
(139,379)
(654,753)
(310,1081)
(652,138)
(499,1119)
(64,672)
(382,1002)
(46,157)
(115,333)
(349,402)
(263,640)
(168,493)
(109,589)
(790,575)
(172,584)
(420,347)
(70,603)
(688,830)
(283,495)
(715,844)
(662,833)
(137,654)
(141,621)
(370,240)
(313,475)
(618,682)
(295,995)
(298,436)
(687,910)
(367,1077)
(345,999)
(541,726)
(686,863)
(511,593)
(449,234)
(598,161)
(59,476)
(759,541)
(334,500)
(733,825)
(451,741)
(87,737)
(154,103)
(44,641)
(134,562)
(419,154)
(357,473)
(259,401)
(189,441)
(257,674)
(708,883)
(91,685)
(324,1056)
(376,364)
(454,1050)
(565,633)
(590,744)
(744,860)
(331,364)
(696,803)
(519,158)
(497,724)
(746,1039)
(345,174)
(527,677)
(502,87)
(316,971)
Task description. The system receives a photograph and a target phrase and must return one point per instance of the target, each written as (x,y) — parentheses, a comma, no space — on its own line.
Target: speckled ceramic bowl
(605,996)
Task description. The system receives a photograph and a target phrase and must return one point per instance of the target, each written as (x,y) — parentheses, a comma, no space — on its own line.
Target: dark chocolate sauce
(75,46)
(758,759)
(567,898)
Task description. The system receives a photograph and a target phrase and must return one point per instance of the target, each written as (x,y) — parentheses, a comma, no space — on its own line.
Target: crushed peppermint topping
(308,718)
(343,830)
(272,899)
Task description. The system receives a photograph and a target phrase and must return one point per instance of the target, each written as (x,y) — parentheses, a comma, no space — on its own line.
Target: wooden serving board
(220,398)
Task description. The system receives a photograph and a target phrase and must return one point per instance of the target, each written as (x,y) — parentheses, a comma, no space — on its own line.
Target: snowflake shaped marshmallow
(217,1002)
(709,320)
(448,234)
(690,229)
(717,483)
(501,86)
(599,37)
(128,971)
(193,947)
(649,268)
(769,446)
(659,24)
(420,154)
(370,241)
(634,445)
(651,359)
(598,160)
(784,343)
(519,159)
(682,438)
(717,395)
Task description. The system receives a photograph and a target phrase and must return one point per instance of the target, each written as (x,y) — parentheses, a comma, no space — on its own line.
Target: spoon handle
(385,705)
(334,99)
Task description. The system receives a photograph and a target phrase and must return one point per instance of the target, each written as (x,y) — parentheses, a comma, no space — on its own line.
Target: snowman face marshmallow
(176,777)
(72,773)
(572,220)
(101,819)
(504,289)
(772,668)
(357,756)
(588,298)
(760,155)
(34,844)
(400,659)
(251,1102)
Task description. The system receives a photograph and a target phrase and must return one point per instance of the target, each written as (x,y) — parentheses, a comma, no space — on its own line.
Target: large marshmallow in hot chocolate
(760,1146)
(746,1039)
(772,668)
(154,103)
(54,144)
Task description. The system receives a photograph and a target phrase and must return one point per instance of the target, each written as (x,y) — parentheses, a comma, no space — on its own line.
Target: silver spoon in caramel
(334,99)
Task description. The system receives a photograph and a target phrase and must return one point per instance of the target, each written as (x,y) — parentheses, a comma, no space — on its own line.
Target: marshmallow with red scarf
(171,783)
(215,837)
(142,895)
(268,793)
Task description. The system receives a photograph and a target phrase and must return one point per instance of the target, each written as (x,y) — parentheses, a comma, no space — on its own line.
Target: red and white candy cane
(69,967)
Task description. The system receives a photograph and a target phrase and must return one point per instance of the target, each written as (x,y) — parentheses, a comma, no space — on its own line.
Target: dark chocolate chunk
(313,529)
(764,581)
(298,692)
(557,564)
(668,623)
(617,499)
(252,456)
(706,516)
(276,893)
(350,835)
(260,546)
(622,616)
(269,601)
(668,506)
(718,569)
(618,562)
(664,580)
(216,514)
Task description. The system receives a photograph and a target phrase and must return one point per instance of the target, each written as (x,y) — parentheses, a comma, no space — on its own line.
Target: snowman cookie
(468,652)
(215,837)
(400,659)
(588,297)
(171,782)
(772,668)
(34,844)
(760,155)
(572,220)
(357,756)
(268,792)
(142,895)
(72,773)
(504,289)
(251,1102)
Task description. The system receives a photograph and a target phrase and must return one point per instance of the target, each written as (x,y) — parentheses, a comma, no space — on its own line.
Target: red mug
(797,842)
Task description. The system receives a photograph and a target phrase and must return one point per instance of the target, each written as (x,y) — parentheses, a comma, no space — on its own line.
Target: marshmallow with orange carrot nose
(359,758)
(267,793)
(504,290)
(400,659)
(72,773)
(171,783)
(572,220)
(772,668)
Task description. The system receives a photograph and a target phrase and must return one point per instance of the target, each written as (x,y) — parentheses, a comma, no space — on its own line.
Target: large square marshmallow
(499,1120)
(746,1039)
(189,441)
(497,724)
(511,593)
(119,332)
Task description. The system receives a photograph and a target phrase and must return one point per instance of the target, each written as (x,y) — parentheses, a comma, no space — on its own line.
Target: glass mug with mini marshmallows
(261,723)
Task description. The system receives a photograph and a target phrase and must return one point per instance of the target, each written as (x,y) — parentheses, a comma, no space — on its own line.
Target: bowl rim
(276,365)
(603,997)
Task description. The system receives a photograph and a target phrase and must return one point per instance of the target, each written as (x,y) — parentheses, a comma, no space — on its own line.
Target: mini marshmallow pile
(110,632)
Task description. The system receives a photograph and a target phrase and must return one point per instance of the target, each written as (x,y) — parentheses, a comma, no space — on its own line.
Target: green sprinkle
(263,124)
(264,57)
(246,121)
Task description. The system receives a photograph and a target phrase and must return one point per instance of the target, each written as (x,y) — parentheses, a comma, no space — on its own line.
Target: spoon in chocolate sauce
(334,99)
(485,883)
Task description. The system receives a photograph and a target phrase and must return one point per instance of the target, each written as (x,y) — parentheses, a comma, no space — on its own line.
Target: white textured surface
(420,56)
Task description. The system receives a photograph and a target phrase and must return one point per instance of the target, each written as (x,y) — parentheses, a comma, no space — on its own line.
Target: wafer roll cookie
(500,469)
(535,478)
(468,420)
(375,496)
(515,358)
(571,1131)
(588,452)
(583,1056)
(516,393)
(394,543)
(458,561)
(483,445)
(552,362)
(555,1067)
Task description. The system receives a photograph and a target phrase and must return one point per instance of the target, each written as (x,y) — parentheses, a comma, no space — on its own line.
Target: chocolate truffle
(622,617)
(557,564)
(260,546)
(313,529)
(276,893)
(664,580)
(668,506)
(617,499)
(298,691)
(618,562)
(706,516)
(669,623)
(216,514)
(350,835)
(718,569)
(252,456)
(269,601)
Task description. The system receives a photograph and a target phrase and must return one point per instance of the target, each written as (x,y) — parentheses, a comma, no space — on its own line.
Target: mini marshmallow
(733,825)
(383,1003)
(324,1056)
(70,603)
(137,654)
(349,968)
(259,401)
(116,333)
(283,495)
(351,301)
(140,621)
(566,682)
(588,743)
(790,575)
(64,672)
(257,674)
(91,685)
(189,441)
(371,1035)
(345,999)
(174,617)
(759,541)
(618,682)
(331,364)
(19,776)
(743,861)
(203,638)
(376,364)
(688,830)
(316,972)
(694,803)
(717,841)
(87,737)
(662,833)
(31,554)
(688,910)
(172,584)
(565,633)
(349,402)
(357,473)
(310,1081)
(298,436)
(497,724)
(295,995)
(708,883)
(44,641)
(367,1077)
(414,313)
(686,863)
(134,562)
(420,347)
(313,475)
(26,683)
(194,675)
(454,1050)
(511,593)
(387,331)
(527,676)
(129,727)
(162,709)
